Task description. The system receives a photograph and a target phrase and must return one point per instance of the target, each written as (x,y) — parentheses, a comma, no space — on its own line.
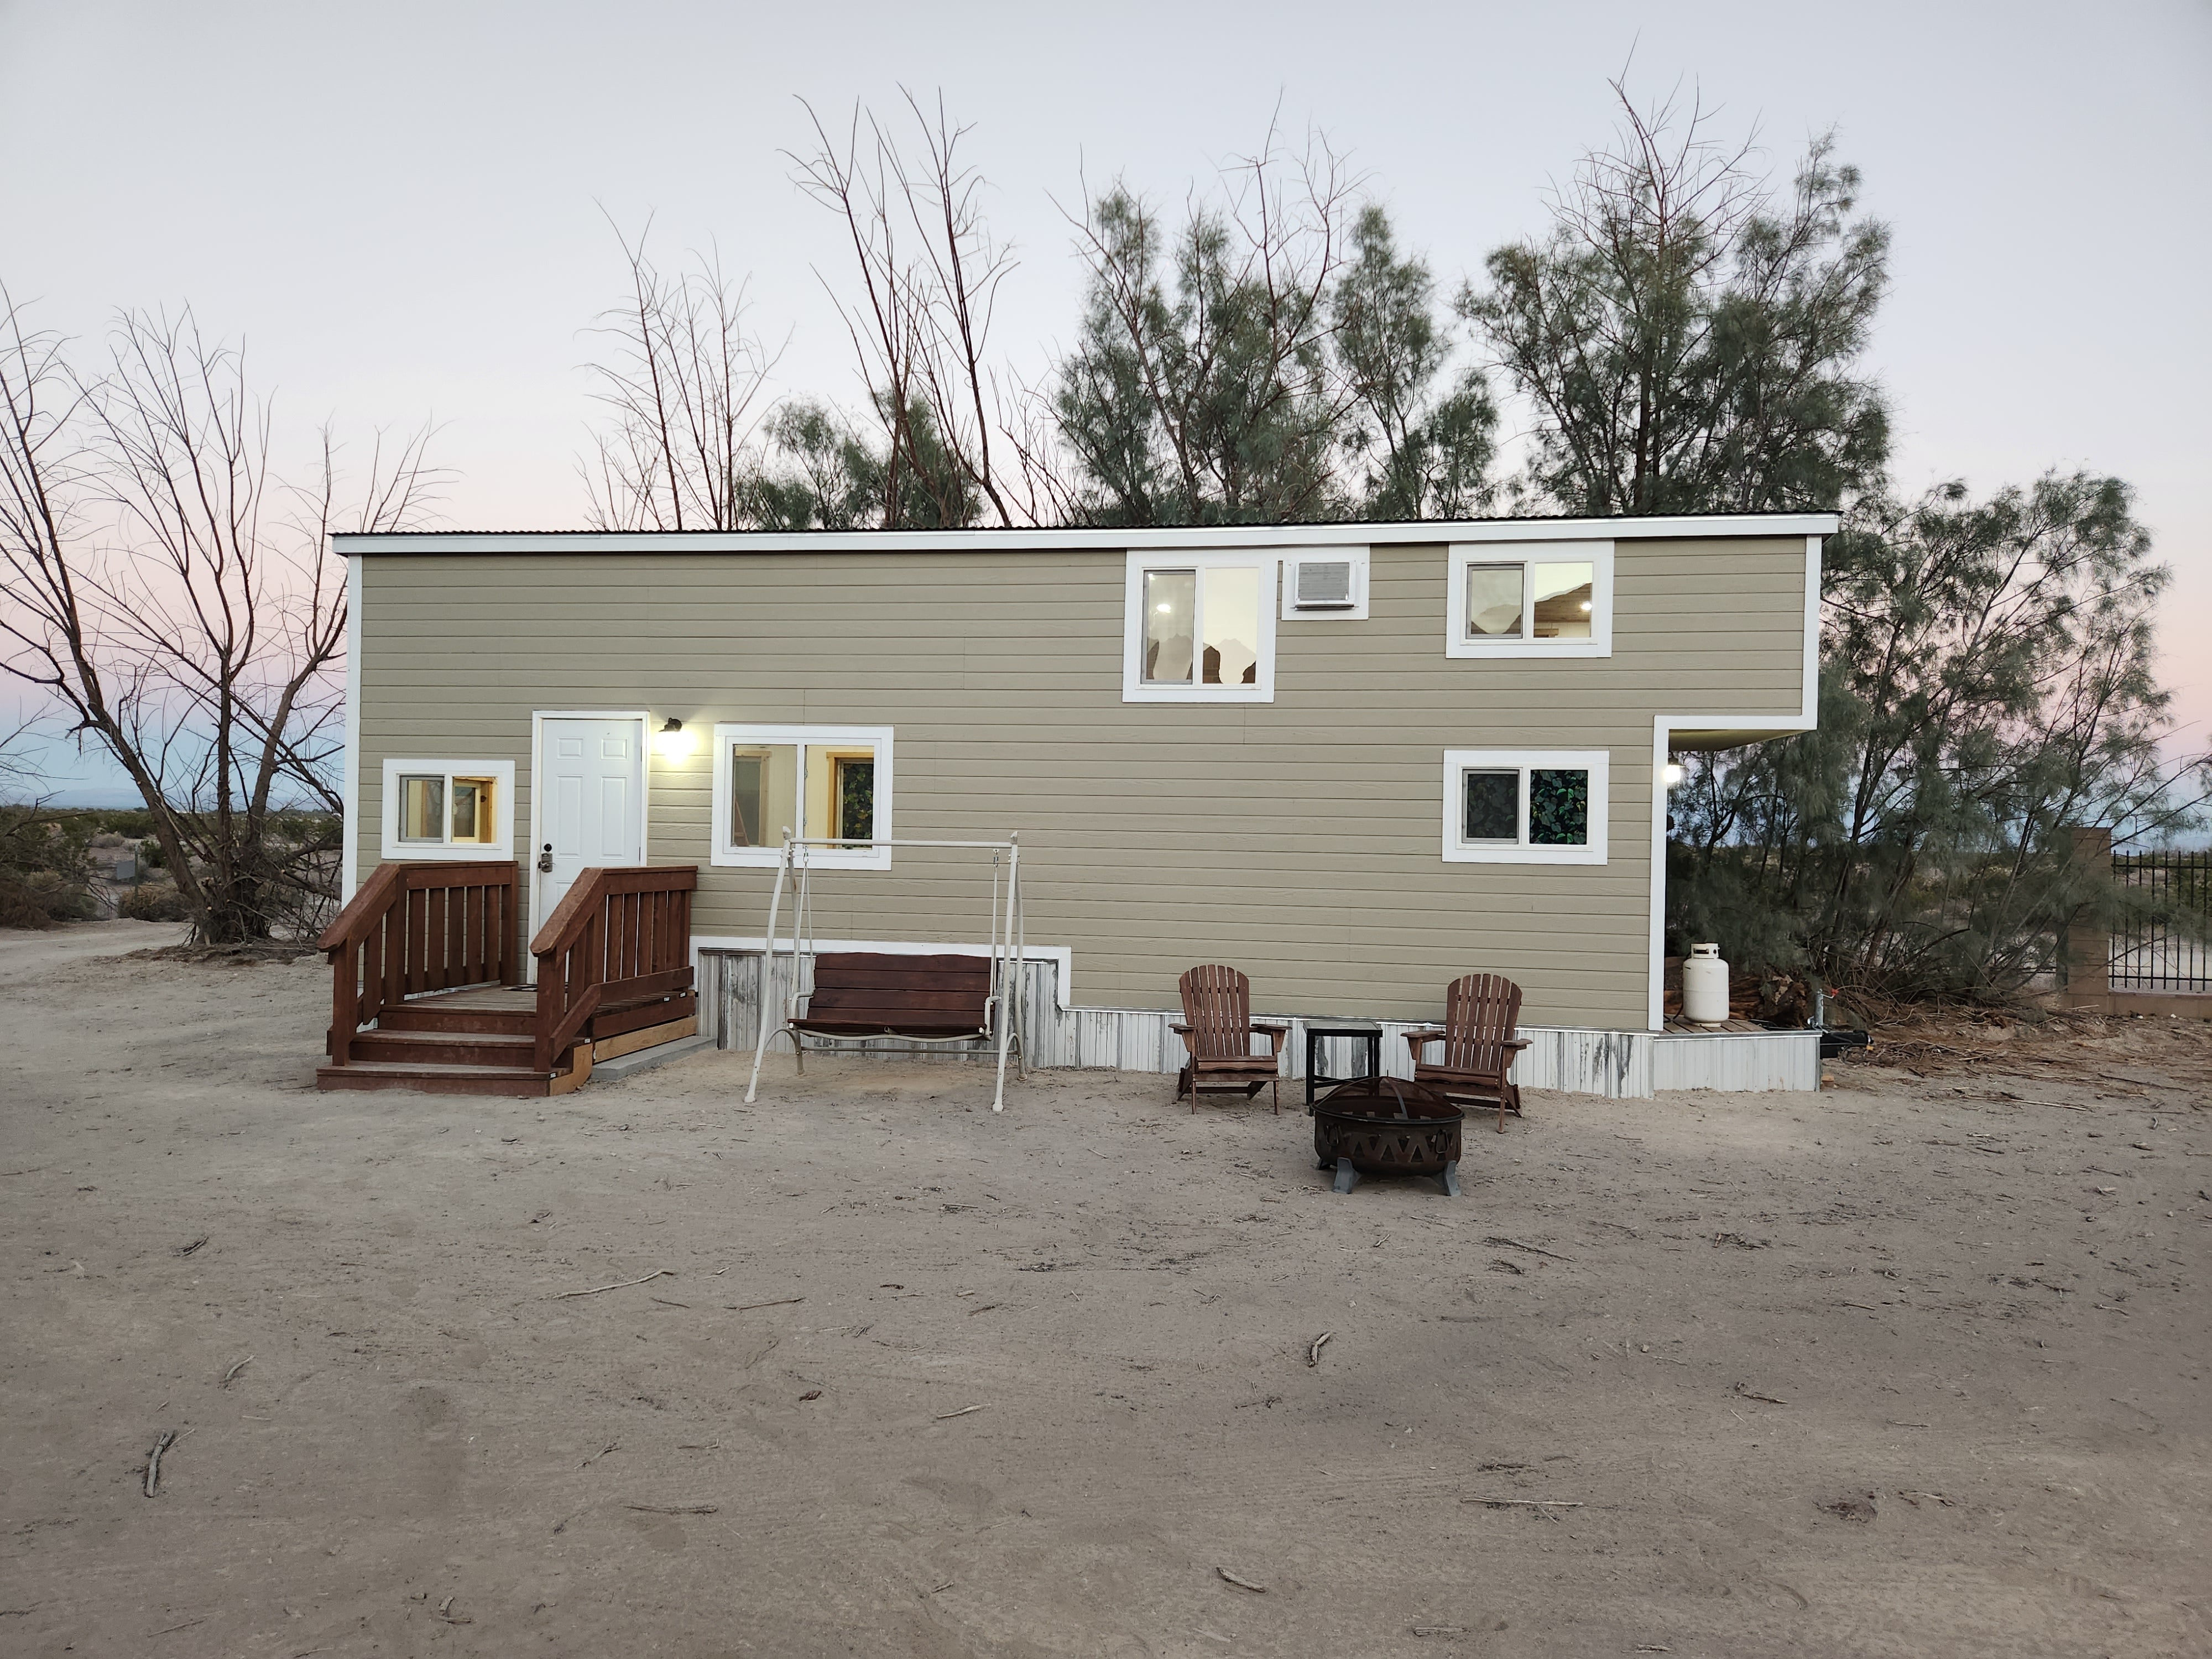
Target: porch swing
(921,1002)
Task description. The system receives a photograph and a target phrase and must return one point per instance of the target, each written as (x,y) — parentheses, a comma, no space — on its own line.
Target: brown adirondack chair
(1480,1013)
(1218,1028)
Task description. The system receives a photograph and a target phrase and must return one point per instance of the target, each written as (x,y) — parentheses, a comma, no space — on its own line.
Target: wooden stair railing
(622,936)
(418,927)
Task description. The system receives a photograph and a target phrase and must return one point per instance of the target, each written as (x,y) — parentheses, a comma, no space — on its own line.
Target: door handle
(545,860)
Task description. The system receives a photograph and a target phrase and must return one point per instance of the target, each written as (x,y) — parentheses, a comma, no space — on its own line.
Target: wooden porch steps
(509,1049)
(423,963)
(442,1078)
(480,1040)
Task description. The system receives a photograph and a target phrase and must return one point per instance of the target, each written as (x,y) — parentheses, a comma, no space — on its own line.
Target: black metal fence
(2160,943)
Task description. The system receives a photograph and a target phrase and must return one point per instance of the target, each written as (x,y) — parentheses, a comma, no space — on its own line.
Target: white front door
(591,802)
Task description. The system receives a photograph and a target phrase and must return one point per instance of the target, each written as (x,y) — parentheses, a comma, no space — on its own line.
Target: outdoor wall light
(672,742)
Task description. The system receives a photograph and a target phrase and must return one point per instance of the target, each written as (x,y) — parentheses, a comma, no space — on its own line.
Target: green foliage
(1265,363)
(1421,455)
(1987,687)
(856,802)
(828,478)
(152,902)
(1690,345)
(45,868)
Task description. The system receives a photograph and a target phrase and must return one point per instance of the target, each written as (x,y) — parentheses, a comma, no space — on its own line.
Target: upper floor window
(821,783)
(1199,627)
(449,809)
(1530,599)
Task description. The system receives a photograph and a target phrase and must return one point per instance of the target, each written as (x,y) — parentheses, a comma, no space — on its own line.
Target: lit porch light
(1673,773)
(672,743)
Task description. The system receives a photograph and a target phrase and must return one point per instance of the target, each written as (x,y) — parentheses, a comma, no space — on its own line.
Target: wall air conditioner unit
(1324,585)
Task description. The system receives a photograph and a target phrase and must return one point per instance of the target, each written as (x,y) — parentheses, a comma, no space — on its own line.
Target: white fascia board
(1226,536)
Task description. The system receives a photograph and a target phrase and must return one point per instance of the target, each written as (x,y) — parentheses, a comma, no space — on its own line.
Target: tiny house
(1355,760)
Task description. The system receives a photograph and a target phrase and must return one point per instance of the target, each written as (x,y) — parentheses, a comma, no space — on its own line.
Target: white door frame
(538,719)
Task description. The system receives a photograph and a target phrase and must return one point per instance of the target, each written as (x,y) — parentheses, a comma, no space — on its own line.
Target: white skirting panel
(1736,1061)
(1576,1060)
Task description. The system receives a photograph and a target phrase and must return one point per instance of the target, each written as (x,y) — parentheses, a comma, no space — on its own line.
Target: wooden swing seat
(860,996)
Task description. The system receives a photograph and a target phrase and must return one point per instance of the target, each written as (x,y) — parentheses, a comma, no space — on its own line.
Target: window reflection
(1232,627)
(1170,600)
(422,809)
(472,814)
(1494,599)
(763,793)
(1493,807)
(1563,596)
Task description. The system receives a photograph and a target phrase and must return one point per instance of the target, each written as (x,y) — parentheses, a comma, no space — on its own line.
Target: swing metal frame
(1005,1008)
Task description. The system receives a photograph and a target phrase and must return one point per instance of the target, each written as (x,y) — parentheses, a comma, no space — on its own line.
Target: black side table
(1320,1031)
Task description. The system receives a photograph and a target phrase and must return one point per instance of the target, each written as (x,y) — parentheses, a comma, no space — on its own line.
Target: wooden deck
(485,999)
(425,965)
(1677,1026)
(478,1040)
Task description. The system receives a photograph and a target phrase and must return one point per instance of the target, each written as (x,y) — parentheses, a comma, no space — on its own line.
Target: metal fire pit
(1386,1126)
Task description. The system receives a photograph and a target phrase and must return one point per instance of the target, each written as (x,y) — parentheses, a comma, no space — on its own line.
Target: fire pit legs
(1448,1178)
(1347,1176)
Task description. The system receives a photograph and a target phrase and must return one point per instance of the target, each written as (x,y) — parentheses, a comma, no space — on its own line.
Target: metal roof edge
(1257,536)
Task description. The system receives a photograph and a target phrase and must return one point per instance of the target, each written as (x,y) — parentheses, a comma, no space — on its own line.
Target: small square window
(1536,600)
(449,809)
(1524,806)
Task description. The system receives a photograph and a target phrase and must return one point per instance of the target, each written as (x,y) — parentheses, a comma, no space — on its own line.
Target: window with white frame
(1524,806)
(1199,627)
(830,783)
(1530,599)
(1326,584)
(449,809)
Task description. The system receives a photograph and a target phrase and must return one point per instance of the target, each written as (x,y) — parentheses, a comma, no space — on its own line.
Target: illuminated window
(1201,628)
(820,783)
(1530,600)
(448,808)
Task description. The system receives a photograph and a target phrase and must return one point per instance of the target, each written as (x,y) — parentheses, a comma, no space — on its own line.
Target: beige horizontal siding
(1298,839)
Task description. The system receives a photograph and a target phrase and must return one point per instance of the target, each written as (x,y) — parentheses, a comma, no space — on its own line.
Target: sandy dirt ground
(1916,1366)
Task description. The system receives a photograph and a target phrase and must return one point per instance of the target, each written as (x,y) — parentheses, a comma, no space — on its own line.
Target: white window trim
(501,772)
(822,858)
(1133,686)
(1358,558)
(1593,761)
(1463,554)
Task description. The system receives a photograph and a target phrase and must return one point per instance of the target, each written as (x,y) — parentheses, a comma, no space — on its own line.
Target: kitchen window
(1530,599)
(823,783)
(449,809)
(1524,806)
(1199,627)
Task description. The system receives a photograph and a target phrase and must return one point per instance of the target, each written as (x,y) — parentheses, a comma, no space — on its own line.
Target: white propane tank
(1705,987)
